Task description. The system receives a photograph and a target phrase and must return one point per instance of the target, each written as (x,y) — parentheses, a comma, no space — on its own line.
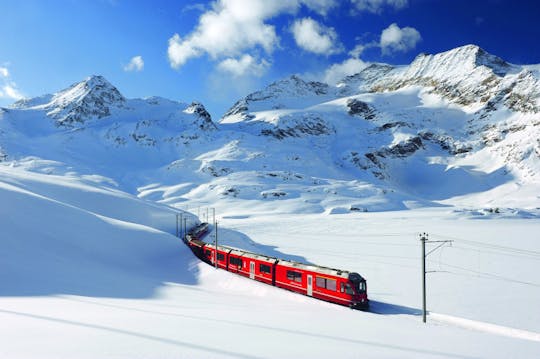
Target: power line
(491,275)
(494,252)
(492,246)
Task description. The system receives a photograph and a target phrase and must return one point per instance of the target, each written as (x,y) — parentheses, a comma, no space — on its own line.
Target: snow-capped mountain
(446,125)
(458,128)
(92,98)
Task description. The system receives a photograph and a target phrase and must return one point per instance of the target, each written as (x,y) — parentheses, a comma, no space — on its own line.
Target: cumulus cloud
(228,29)
(10,91)
(135,64)
(314,37)
(396,39)
(8,88)
(376,6)
(246,65)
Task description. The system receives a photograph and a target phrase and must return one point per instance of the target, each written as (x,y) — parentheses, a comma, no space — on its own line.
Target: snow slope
(84,279)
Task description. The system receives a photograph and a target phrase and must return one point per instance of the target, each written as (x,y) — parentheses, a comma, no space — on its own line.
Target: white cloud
(376,6)
(10,91)
(314,37)
(337,72)
(230,28)
(194,7)
(135,64)
(396,39)
(246,65)
(320,6)
(8,88)
(358,49)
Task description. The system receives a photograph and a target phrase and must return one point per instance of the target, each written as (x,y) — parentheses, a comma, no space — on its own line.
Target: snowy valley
(345,176)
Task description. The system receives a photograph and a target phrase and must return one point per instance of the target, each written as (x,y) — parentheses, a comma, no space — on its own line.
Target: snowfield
(346,176)
(83,278)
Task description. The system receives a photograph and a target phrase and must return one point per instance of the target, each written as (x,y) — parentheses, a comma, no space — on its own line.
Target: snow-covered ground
(89,271)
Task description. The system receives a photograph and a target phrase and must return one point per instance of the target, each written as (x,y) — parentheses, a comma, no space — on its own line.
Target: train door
(310,285)
(252,270)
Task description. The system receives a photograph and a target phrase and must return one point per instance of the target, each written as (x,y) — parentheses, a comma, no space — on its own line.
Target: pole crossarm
(442,243)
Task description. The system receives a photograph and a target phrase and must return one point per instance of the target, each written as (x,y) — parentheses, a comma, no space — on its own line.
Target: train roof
(245,254)
(319,269)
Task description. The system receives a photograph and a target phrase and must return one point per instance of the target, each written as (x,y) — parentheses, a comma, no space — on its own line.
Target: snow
(91,185)
(84,278)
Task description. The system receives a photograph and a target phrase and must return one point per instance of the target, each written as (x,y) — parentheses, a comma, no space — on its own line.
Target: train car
(332,285)
(209,255)
(257,266)
(197,247)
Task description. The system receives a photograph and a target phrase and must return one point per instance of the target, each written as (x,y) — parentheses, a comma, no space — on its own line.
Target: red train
(332,285)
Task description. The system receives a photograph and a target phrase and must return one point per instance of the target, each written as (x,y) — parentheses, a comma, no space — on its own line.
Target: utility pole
(181,231)
(216,246)
(185,228)
(424,238)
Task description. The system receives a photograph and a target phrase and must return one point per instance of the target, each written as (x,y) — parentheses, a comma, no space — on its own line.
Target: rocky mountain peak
(278,94)
(94,97)
(364,79)
(92,89)
(457,63)
(198,109)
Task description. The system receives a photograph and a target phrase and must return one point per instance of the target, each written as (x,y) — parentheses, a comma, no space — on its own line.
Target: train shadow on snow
(392,309)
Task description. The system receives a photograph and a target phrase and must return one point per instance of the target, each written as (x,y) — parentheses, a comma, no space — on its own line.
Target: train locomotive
(328,284)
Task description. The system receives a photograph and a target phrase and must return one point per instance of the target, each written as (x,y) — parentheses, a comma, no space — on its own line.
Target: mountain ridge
(361,144)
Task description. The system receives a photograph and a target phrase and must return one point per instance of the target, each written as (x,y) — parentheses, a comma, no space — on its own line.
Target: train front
(359,298)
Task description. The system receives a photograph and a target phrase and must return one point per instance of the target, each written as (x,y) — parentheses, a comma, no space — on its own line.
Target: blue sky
(218,51)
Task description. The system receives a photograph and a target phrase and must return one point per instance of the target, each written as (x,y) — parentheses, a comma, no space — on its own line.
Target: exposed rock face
(206,120)
(360,108)
(293,126)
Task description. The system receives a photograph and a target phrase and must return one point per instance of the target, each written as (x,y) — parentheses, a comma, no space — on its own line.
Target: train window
(235,261)
(331,284)
(326,283)
(208,253)
(263,268)
(220,257)
(346,288)
(296,276)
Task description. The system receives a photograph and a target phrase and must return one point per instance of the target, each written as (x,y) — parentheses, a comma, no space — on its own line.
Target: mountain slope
(439,131)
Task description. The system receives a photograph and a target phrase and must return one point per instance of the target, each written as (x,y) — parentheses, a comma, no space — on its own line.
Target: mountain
(92,98)
(91,126)
(459,128)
